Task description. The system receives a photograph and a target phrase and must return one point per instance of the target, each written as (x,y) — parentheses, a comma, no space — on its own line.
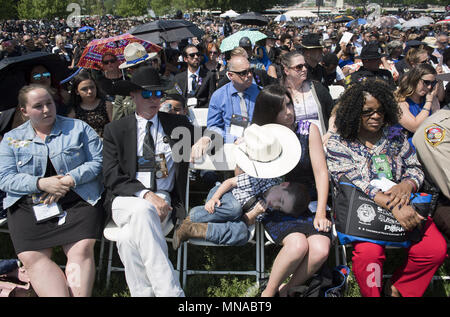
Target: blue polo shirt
(224,103)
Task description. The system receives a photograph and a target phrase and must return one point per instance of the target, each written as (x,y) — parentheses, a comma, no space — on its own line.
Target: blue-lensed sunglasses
(152,93)
(40,76)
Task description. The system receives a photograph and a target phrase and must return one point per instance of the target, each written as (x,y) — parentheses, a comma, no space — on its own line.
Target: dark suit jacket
(204,91)
(120,163)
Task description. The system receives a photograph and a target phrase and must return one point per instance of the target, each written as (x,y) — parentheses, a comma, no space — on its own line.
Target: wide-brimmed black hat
(144,78)
(312,40)
(371,51)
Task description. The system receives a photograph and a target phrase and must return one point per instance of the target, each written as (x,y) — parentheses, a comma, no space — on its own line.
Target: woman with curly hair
(364,117)
(417,97)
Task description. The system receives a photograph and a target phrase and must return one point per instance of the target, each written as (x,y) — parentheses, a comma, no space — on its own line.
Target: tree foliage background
(39,9)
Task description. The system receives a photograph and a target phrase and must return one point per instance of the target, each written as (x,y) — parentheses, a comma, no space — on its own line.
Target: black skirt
(279,225)
(82,221)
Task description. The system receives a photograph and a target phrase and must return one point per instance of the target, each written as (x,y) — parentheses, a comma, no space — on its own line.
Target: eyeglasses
(192,55)
(41,76)
(242,73)
(109,61)
(146,94)
(424,61)
(370,112)
(431,83)
(214,52)
(298,67)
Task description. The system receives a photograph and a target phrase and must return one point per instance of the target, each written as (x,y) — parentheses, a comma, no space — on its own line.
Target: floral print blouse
(354,160)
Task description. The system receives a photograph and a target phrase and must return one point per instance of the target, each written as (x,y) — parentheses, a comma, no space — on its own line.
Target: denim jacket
(73,147)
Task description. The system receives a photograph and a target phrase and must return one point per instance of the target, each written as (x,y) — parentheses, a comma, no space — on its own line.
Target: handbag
(327,282)
(14,281)
(358,218)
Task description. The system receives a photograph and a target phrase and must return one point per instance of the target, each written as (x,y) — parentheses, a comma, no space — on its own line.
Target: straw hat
(135,54)
(430,41)
(268,151)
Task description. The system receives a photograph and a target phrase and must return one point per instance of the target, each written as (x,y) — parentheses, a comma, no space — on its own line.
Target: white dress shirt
(197,73)
(163,184)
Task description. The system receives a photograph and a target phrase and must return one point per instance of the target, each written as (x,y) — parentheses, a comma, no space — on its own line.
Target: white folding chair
(336,91)
(111,232)
(221,161)
(199,116)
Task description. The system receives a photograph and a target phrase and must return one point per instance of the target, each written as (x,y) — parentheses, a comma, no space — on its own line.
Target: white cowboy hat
(268,151)
(135,54)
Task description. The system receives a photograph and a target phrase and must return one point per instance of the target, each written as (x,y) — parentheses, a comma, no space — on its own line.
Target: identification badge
(147,179)
(146,165)
(43,212)
(238,125)
(192,102)
(161,166)
(382,166)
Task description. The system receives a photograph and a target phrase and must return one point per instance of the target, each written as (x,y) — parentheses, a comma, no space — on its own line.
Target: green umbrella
(232,41)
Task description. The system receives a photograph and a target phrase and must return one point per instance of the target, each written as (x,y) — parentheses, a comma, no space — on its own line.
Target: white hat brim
(125,65)
(289,158)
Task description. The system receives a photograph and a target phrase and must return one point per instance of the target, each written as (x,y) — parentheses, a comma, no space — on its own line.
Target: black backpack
(326,283)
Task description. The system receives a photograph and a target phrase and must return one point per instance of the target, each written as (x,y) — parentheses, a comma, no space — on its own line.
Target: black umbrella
(13,71)
(251,18)
(160,31)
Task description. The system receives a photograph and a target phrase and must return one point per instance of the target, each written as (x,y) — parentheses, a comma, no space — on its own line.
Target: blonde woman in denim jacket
(50,168)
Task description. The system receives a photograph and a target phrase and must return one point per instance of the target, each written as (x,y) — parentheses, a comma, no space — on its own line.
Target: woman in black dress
(305,239)
(88,104)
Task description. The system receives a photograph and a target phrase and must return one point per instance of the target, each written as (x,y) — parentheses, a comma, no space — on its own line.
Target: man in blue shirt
(231,106)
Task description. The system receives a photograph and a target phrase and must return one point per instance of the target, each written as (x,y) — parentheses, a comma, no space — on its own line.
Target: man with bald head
(231,106)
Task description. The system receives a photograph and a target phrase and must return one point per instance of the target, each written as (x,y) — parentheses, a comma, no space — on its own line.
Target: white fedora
(268,151)
(135,54)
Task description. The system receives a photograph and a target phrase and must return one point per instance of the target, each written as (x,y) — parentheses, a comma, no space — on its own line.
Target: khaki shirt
(432,142)
(122,107)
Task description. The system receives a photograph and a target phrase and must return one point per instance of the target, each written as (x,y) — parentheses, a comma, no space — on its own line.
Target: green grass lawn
(239,258)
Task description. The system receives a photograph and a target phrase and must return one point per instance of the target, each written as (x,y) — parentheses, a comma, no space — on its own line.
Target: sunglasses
(146,94)
(298,67)
(242,73)
(214,52)
(431,83)
(192,55)
(41,76)
(109,61)
(370,112)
